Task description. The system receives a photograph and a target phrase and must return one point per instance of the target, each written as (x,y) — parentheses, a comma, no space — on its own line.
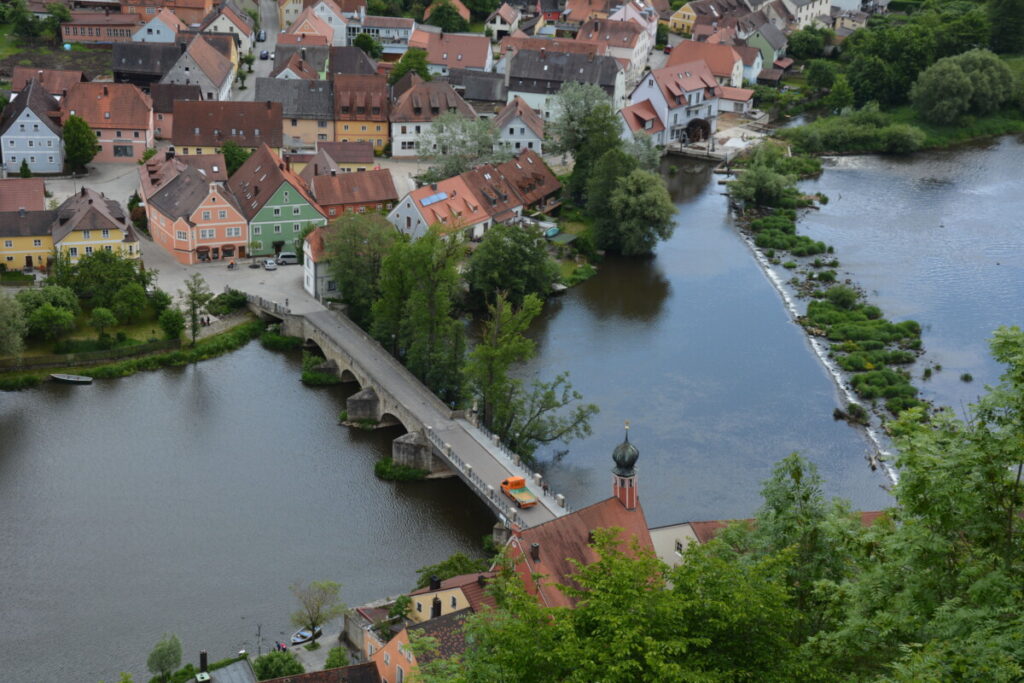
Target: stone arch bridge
(438,439)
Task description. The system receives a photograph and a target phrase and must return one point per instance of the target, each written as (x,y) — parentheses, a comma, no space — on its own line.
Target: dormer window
(106,114)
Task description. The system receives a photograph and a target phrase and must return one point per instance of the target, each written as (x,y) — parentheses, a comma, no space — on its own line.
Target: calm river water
(188,500)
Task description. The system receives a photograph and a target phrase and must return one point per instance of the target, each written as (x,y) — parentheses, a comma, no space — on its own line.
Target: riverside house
(274,202)
(88,221)
(119,113)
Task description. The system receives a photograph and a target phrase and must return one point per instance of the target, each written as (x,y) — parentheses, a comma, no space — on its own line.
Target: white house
(228,18)
(624,40)
(640,13)
(504,21)
(684,97)
(393,33)
(316,273)
(520,127)
(163,28)
(201,64)
(753,62)
(331,14)
(27,133)
(413,114)
(536,76)
(806,11)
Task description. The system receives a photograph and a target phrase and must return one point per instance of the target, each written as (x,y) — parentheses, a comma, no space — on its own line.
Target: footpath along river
(187,500)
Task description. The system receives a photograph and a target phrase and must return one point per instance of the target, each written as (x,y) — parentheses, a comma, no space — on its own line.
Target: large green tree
(165,657)
(643,209)
(512,259)
(80,144)
(415,315)
(172,322)
(414,60)
(356,245)
(525,418)
(455,143)
(367,43)
(49,321)
(1007,23)
(809,42)
(446,17)
(276,665)
(129,303)
(319,603)
(99,276)
(12,326)
(101,319)
(610,169)
(61,297)
(975,82)
(586,126)
(234,156)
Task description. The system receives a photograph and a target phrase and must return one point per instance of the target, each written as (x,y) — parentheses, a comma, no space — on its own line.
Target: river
(188,500)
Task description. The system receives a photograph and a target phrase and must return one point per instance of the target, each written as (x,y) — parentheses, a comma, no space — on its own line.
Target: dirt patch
(94,61)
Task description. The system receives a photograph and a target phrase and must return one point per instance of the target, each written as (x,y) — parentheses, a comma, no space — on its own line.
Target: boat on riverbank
(304,635)
(70,379)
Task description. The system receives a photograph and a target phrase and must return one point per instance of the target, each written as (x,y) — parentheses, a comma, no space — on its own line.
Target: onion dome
(625,456)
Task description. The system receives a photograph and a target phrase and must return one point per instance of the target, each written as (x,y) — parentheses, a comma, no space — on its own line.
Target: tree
(172,322)
(444,15)
(129,302)
(576,102)
(356,245)
(524,419)
(809,42)
(942,93)
(12,326)
(1007,21)
(513,259)
(642,148)
(240,76)
(613,165)
(821,73)
(101,319)
(319,603)
(160,301)
(455,565)
(50,322)
(644,210)
(601,127)
(234,156)
(337,657)
(366,43)
(414,60)
(455,143)
(276,665)
(760,184)
(419,284)
(841,94)
(165,657)
(24,23)
(58,14)
(61,297)
(25,171)
(991,80)
(80,144)
(195,297)
(99,276)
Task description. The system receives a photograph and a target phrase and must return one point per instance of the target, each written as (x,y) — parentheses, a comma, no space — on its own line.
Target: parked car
(271,55)
(269,264)
(287,258)
(261,36)
(515,488)
(668,49)
(264,54)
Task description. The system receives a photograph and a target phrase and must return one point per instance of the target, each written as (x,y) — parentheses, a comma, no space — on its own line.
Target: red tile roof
(216,66)
(457,50)
(299,67)
(610,33)
(530,176)
(519,107)
(720,58)
(637,115)
(425,100)
(736,94)
(211,124)
(315,251)
(356,96)
(258,179)
(109,105)
(354,673)
(675,81)
(55,81)
(470,584)
(301,39)
(360,187)
(566,539)
(516,43)
(22,193)
(315,24)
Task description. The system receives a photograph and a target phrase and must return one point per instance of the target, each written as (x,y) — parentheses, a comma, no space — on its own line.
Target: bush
(867,130)
(278,342)
(388,470)
(19,382)
(312,376)
(336,657)
(227,302)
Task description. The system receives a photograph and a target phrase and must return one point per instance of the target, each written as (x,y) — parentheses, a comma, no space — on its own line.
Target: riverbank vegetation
(389,470)
(863,342)
(943,73)
(809,590)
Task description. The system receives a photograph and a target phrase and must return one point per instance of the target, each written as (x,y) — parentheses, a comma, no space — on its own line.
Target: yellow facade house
(362,109)
(25,240)
(440,598)
(88,222)
(683,19)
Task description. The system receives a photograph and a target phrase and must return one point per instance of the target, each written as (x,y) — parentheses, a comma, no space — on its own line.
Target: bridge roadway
(488,463)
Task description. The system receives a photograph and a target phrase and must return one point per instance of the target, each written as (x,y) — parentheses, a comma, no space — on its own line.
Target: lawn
(8,42)
(141,331)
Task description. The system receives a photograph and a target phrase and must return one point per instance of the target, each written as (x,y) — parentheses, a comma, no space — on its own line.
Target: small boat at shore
(304,635)
(71,379)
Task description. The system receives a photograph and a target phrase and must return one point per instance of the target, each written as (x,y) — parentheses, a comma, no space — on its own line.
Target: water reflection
(632,288)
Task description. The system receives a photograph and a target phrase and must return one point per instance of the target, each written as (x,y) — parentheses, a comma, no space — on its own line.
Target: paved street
(261,67)
(117,181)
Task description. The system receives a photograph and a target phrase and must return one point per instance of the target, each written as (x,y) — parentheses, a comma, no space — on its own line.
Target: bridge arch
(391,420)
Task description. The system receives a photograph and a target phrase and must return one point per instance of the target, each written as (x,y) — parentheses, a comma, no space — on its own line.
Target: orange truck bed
(515,488)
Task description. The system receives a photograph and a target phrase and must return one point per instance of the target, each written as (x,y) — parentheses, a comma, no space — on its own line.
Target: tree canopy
(356,245)
(975,82)
(276,665)
(455,143)
(165,657)
(512,259)
(367,43)
(414,60)
(12,326)
(234,156)
(444,15)
(643,211)
(80,144)
(319,603)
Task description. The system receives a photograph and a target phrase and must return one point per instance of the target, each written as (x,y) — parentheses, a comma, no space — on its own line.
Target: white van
(287,258)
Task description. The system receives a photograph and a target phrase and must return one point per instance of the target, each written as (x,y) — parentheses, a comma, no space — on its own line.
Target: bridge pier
(412,450)
(363,405)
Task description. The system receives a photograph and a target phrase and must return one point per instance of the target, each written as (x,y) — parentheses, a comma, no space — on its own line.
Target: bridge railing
(514,463)
(266,304)
(490,494)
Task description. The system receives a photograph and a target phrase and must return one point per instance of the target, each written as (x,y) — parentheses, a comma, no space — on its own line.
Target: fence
(515,464)
(86,357)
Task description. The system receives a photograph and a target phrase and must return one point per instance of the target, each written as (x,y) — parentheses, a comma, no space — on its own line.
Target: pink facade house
(119,113)
(191,212)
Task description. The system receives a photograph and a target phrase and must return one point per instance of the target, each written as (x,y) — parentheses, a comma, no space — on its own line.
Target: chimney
(334,171)
(169,154)
(182,47)
(481,580)
(435,583)
(269,103)
(435,608)
(543,52)
(316,169)
(302,52)
(105,91)
(433,186)
(203,664)
(535,552)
